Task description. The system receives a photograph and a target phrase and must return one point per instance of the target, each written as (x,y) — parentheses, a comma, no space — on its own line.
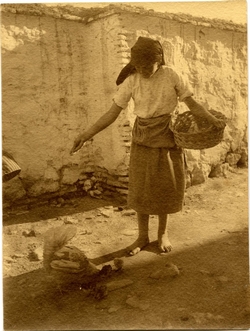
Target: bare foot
(164,243)
(138,245)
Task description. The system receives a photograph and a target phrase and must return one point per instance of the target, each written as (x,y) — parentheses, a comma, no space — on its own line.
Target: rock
(118,263)
(107,213)
(60,201)
(233,158)
(69,220)
(129,232)
(70,175)
(94,195)
(170,271)
(87,185)
(30,233)
(116,284)
(97,192)
(18,256)
(36,255)
(220,170)
(9,259)
(128,212)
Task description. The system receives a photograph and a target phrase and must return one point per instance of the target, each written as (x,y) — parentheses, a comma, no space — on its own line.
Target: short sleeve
(123,94)
(182,87)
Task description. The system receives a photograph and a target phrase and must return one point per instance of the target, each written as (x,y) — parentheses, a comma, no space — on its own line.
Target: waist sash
(153,132)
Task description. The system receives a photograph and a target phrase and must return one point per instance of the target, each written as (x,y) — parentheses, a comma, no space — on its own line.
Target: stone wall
(58,77)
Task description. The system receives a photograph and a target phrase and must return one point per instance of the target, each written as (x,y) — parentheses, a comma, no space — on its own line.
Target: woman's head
(146,52)
(146,56)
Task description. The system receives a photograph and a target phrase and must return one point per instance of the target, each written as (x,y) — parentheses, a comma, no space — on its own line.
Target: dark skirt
(156,180)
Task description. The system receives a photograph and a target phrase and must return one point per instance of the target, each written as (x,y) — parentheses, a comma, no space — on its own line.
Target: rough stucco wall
(58,77)
(56,81)
(215,63)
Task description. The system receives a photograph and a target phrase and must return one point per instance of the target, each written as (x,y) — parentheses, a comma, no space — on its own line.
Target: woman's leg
(143,238)
(163,240)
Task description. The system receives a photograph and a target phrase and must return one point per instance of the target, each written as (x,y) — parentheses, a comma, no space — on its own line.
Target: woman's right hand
(79,142)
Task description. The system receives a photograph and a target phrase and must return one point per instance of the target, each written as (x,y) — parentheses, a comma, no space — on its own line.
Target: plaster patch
(12,36)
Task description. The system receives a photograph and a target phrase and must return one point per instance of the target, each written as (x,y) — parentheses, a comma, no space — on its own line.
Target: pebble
(128,212)
(70,220)
(9,259)
(129,232)
(107,213)
(97,192)
(17,256)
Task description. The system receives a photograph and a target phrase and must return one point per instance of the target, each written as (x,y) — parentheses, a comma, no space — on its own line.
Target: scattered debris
(30,233)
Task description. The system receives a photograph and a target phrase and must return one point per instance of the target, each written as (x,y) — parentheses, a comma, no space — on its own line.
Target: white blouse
(154,96)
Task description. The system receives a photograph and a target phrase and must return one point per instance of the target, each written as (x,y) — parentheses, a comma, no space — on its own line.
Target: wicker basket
(10,168)
(193,132)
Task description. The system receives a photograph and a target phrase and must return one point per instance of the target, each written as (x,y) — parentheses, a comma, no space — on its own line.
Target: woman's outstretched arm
(108,118)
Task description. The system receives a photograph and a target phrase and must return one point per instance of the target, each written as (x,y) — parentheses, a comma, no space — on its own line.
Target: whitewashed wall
(58,77)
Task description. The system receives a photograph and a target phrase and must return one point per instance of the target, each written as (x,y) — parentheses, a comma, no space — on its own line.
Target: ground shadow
(46,211)
(213,280)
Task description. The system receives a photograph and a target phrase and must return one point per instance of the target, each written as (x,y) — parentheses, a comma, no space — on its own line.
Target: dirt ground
(209,291)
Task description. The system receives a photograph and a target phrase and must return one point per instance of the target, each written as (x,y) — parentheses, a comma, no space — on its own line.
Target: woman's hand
(108,118)
(79,142)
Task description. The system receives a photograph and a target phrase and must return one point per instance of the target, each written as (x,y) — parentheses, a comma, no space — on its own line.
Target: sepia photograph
(125,165)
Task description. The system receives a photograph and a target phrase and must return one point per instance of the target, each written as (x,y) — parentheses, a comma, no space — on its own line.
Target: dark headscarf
(146,51)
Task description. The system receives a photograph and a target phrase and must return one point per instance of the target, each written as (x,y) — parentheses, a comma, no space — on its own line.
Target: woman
(156,172)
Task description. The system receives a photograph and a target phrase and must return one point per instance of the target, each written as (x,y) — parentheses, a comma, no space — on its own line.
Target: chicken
(68,267)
